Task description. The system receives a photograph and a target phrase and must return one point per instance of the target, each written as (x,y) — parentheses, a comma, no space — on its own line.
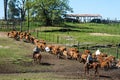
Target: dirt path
(3,34)
(64,69)
(102,34)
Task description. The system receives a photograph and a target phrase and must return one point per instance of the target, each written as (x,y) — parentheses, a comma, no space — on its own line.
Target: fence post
(20,26)
(37,33)
(49,38)
(87,46)
(117,52)
(78,45)
(53,37)
(57,39)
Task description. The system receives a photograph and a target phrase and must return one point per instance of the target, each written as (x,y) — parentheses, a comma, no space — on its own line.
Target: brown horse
(94,66)
(37,58)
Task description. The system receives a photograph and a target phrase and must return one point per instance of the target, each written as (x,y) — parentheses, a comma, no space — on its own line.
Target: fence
(69,41)
(52,38)
(18,25)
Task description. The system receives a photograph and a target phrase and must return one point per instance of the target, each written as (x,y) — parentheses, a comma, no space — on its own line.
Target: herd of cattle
(104,60)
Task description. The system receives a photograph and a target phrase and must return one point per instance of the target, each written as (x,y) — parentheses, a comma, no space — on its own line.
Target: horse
(37,58)
(94,66)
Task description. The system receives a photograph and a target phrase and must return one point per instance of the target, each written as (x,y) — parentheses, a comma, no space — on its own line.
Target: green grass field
(81,32)
(86,34)
(13,53)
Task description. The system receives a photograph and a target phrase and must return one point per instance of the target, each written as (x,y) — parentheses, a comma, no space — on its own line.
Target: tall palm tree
(5,9)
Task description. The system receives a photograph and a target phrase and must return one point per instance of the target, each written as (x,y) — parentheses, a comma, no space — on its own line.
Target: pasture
(89,35)
(16,63)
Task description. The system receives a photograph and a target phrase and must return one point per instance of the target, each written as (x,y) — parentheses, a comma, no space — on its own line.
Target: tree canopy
(50,11)
(16,9)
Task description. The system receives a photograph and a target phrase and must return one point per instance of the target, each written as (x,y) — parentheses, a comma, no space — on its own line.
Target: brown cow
(106,62)
(12,34)
(76,56)
(42,41)
(73,53)
(65,53)
(61,50)
(118,64)
(41,46)
(55,49)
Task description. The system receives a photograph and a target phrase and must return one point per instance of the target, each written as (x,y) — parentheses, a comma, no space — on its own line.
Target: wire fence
(69,41)
(54,38)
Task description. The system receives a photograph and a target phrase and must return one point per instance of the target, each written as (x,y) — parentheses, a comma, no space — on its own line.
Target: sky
(106,8)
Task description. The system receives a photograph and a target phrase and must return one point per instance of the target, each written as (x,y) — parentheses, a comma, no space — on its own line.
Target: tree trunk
(5,9)
(48,22)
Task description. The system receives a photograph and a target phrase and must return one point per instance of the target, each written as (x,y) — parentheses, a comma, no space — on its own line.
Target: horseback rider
(97,52)
(36,50)
(89,58)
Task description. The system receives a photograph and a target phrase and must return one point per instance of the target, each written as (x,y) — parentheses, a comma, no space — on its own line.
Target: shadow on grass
(69,28)
(105,76)
(46,64)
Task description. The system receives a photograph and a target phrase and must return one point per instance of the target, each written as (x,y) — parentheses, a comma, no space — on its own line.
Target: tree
(13,11)
(17,9)
(49,11)
(21,6)
(5,9)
